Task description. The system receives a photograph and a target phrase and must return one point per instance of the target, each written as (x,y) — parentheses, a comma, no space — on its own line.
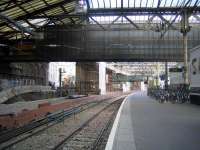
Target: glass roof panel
(166,3)
(18,35)
(38,22)
(70,5)
(173,3)
(5,29)
(155,3)
(107,4)
(53,1)
(126,4)
(66,20)
(137,3)
(162,3)
(24,24)
(34,5)
(118,3)
(3,2)
(141,19)
(140,3)
(193,3)
(131,3)
(54,11)
(113,3)
(95,3)
(101,4)
(13,11)
(147,3)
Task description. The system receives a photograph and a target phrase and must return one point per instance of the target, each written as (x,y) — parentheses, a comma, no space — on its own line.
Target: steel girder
(119,43)
(15,24)
(141,11)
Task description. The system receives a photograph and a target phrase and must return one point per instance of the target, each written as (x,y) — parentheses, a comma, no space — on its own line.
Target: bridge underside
(116,42)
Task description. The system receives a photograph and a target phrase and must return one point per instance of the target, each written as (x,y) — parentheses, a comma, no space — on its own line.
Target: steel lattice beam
(41,10)
(15,24)
(141,11)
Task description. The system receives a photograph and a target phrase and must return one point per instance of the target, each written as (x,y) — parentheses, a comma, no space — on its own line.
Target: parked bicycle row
(174,95)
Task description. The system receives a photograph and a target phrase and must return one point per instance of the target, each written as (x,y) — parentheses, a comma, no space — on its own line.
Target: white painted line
(111,137)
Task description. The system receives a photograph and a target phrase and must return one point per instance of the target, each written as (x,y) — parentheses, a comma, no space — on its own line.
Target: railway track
(22,134)
(90,135)
(47,121)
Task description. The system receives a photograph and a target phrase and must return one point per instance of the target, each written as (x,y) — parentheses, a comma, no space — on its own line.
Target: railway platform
(142,123)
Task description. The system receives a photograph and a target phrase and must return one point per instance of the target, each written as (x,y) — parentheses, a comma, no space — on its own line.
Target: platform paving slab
(145,124)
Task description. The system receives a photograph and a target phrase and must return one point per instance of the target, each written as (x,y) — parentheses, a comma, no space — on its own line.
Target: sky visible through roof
(35,5)
(128,4)
(139,3)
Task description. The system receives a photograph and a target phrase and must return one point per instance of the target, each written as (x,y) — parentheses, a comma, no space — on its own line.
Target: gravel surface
(86,138)
(19,106)
(49,138)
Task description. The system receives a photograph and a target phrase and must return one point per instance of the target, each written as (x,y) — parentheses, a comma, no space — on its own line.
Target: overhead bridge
(116,42)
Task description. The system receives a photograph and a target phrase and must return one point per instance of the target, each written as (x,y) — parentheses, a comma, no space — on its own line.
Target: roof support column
(166,75)
(185,47)
(185,29)
(102,77)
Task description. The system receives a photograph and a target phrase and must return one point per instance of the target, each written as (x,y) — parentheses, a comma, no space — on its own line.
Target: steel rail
(48,122)
(60,144)
(100,138)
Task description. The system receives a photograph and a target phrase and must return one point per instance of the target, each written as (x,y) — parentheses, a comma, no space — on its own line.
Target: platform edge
(109,144)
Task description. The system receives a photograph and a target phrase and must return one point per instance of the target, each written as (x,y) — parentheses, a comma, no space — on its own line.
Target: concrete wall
(87,78)
(102,77)
(17,74)
(109,87)
(9,93)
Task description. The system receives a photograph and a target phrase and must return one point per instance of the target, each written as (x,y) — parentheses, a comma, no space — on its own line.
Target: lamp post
(60,80)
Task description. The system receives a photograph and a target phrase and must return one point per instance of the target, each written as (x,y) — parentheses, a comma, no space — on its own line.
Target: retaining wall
(9,93)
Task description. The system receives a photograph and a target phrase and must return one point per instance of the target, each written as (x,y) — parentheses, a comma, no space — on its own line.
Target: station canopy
(19,18)
(141,68)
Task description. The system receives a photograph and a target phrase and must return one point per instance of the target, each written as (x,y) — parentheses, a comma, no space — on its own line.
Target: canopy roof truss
(140,68)
(20,18)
